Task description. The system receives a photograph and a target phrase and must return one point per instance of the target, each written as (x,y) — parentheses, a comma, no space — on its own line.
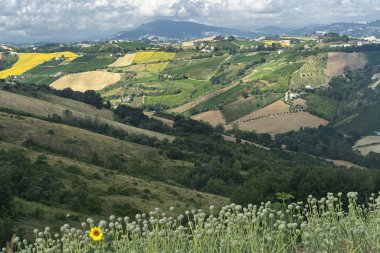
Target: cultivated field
(28,61)
(201,69)
(175,93)
(156,67)
(282,123)
(311,73)
(93,80)
(213,117)
(368,144)
(124,61)
(202,99)
(45,109)
(338,61)
(151,56)
(272,109)
(245,106)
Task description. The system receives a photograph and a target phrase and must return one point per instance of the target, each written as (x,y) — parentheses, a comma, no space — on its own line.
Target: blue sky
(73,20)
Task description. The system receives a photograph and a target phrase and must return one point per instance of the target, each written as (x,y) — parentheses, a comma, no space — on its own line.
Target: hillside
(58,106)
(218,121)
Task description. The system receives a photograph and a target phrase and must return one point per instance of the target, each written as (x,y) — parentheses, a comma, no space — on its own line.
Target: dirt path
(233,139)
(167,122)
(376,78)
(187,106)
(216,71)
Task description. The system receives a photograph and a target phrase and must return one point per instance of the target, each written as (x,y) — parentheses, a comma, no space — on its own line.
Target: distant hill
(357,29)
(179,30)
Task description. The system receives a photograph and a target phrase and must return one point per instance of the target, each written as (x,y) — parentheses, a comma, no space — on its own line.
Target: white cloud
(33,20)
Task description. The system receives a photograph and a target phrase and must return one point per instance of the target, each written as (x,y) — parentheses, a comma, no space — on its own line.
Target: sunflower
(96,234)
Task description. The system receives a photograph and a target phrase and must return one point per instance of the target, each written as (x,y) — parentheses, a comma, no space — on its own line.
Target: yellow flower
(96,234)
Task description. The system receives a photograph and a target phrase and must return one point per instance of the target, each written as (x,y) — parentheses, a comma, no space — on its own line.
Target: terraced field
(312,73)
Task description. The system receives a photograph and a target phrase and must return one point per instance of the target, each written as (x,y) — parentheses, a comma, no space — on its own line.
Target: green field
(322,106)
(312,73)
(247,57)
(184,55)
(87,62)
(365,122)
(201,69)
(213,102)
(156,67)
(188,90)
(6,61)
(242,107)
(247,43)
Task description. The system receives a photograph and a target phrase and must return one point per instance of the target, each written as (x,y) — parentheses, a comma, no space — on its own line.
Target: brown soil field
(212,117)
(283,123)
(92,80)
(272,109)
(337,61)
(299,101)
(202,99)
(124,61)
(368,144)
(45,108)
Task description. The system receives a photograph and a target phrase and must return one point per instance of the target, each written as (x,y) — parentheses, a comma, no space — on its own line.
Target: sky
(75,20)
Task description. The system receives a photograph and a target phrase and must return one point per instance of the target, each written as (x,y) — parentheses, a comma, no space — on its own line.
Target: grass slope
(45,108)
(201,69)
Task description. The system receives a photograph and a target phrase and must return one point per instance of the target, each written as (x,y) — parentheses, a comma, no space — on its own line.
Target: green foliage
(322,106)
(335,37)
(325,141)
(366,122)
(318,226)
(373,57)
(6,61)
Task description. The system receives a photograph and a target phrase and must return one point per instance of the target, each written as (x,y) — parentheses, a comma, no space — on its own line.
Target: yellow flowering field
(28,61)
(162,56)
(147,57)
(143,57)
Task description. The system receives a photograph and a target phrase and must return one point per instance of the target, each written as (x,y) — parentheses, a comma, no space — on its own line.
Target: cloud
(37,20)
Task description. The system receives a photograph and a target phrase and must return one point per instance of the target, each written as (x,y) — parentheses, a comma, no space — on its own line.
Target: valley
(158,130)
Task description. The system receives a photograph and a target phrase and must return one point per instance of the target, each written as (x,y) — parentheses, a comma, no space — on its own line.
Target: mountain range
(183,30)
